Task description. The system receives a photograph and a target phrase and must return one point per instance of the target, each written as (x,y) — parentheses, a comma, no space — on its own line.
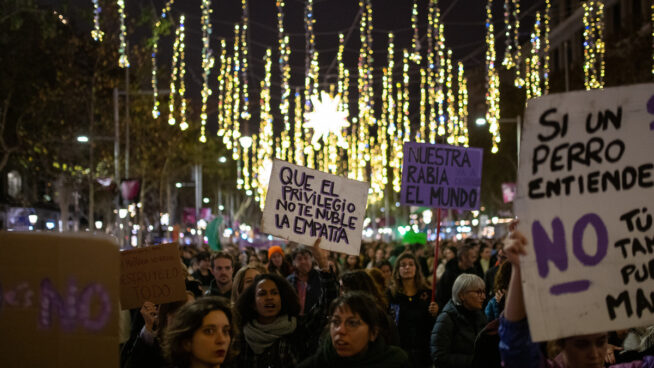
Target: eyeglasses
(351,324)
(479,292)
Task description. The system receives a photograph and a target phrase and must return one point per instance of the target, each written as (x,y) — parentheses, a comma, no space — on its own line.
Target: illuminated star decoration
(326,118)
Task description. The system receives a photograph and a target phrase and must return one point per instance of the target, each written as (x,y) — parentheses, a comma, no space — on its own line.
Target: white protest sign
(304,204)
(585,201)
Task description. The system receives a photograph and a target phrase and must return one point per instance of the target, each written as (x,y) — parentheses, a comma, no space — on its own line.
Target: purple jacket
(518,351)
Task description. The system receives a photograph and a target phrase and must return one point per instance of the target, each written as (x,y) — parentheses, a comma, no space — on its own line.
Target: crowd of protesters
(301,306)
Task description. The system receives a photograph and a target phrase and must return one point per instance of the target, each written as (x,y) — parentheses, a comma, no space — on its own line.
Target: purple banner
(441,176)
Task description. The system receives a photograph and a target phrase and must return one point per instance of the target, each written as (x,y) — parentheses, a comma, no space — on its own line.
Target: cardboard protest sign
(585,200)
(58,300)
(441,176)
(152,274)
(304,204)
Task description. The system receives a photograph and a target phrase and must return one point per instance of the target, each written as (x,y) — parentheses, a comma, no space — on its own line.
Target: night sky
(463,19)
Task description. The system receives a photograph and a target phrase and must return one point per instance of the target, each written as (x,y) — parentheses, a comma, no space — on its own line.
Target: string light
(440,93)
(123,61)
(453,118)
(492,81)
(512,54)
(593,44)
(245,113)
(285,70)
(207,64)
(405,97)
(422,132)
(463,138)
(236,90)
(96,33)
(155,32)
(298,157)
(431,70)
(508,61)
(246,145)
(173,72)
(223,75)
(265,136)
(181,71)
(546,51)
(155,90)
(343,87)
(533,63)
(415,42)
(387,118)
(364,82)
(311,77)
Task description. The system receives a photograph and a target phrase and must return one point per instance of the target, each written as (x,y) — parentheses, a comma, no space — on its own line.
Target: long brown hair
(396,280)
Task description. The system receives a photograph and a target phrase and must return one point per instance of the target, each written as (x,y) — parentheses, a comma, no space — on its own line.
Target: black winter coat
(453,336)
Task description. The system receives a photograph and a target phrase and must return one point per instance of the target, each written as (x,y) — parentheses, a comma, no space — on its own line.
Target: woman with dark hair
(496,303)
(412,309)
(361,281)
(277,263)
(274,334)
(200,334)
(356,327)
(380,282)
(352,263)
(386,269)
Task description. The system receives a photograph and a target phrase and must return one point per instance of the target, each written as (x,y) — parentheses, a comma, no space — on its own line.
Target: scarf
(260,337)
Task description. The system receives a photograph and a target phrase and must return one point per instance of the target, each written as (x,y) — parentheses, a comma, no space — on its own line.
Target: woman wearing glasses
(453,336)
(356,324)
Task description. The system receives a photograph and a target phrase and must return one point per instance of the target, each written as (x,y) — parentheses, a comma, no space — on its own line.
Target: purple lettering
(549,250)
(578,237)
(104,313)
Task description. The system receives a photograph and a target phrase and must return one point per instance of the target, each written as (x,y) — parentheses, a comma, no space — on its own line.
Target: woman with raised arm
(517,349)
(273,332)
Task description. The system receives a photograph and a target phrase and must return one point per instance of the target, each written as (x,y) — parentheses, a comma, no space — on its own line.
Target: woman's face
(210,342)
(243,258)
(407,268)
(352,260)
(486,253)
(379,255)
(277,259)
(586,351)
(387,272)
(448,254)
(267,300)
(350,335)
(248,278)
(473,299)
